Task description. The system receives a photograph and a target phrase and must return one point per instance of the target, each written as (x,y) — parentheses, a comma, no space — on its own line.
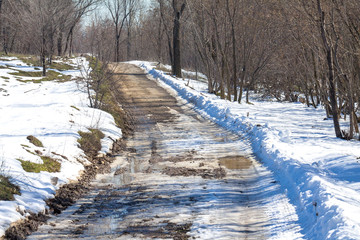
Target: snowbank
(319,172)
(53,112)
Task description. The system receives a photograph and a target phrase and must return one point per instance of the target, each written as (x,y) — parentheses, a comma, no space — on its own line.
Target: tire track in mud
(179,176)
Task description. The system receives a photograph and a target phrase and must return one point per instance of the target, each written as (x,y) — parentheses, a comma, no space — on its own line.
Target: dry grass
(50,76)
(90,142)
(7,189)
(35,141)
(49,165)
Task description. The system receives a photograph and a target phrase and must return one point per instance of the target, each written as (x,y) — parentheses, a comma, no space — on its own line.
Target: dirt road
(180,177)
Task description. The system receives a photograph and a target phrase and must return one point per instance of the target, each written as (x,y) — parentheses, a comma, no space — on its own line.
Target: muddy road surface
(179,176)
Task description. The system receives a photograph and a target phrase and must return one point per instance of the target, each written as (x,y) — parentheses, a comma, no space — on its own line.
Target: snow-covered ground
(53,112)
(319,172)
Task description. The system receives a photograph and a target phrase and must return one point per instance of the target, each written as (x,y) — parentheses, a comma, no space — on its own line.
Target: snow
(318,172)
(53,112)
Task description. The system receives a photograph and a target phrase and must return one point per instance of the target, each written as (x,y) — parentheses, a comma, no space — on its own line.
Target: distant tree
(79,9)
(120,10)
(165,8)
(99,39)
(39,23)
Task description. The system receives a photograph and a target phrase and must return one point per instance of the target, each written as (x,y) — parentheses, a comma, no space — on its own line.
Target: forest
(289,50)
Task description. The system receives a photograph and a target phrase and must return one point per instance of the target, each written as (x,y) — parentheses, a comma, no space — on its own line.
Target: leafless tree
(120,10)
(80,8)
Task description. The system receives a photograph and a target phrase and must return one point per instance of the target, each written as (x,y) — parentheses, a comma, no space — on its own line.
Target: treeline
(42,27)
(291,50)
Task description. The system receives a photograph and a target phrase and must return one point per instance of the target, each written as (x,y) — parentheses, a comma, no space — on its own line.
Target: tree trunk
(117,48)
(43,62)
(332,93)
(176,64)
(235,80)
(5,40)
(128,44)
(71,50)
(234,61)
(176,67)
(68,40)
(59,43)
(242,82)
(43,53)
(332,86)
(159,41)
(247,95)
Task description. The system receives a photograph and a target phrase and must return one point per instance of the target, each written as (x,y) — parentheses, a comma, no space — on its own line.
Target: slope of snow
(318,172)
(53,112)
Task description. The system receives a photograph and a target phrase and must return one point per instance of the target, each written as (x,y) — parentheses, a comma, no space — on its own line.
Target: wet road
(180,177)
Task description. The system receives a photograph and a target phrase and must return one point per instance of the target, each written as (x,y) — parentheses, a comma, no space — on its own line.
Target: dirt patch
(68,194)
(120,171)
(163,230)
(235,162)
(216,173)
(80,230)
(21,229)
(189,156)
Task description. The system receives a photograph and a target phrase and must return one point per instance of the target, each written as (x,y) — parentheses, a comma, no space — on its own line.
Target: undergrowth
(90,142)
(111,106)
(50,76)
(8,189)
(49,165)
(108,101)
(61,66)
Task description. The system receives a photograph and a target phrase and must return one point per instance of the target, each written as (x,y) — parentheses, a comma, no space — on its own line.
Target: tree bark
(332,86)
(234,60)
(43,56)
(176,67)
(117,47)
(69,40)
(128,47)
(59,43)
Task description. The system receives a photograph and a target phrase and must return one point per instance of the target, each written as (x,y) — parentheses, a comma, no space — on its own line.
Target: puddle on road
(235,162)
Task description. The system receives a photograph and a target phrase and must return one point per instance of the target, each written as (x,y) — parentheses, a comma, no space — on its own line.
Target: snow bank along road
(54,111)
(319,172)
(180,176)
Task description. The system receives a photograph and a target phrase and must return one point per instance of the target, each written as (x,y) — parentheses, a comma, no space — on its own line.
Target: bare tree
(39,24)
(120,10)
(80,8)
